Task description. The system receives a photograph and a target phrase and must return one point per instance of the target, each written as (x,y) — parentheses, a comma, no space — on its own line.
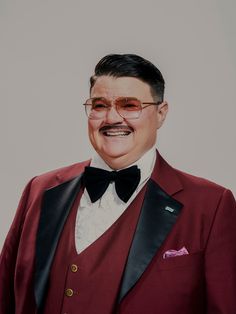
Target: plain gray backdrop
(49,50)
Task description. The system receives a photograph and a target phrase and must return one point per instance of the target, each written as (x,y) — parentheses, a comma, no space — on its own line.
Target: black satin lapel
(158,214)
(56,206)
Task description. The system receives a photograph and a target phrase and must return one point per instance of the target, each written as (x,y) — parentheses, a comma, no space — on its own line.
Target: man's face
(120,142)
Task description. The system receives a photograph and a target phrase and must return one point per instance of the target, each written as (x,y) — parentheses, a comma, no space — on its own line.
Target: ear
(162,111)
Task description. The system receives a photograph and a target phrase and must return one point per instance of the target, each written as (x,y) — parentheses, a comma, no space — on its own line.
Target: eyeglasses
(127,107)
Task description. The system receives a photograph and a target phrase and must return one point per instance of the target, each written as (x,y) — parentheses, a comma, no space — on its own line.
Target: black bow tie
(97,180)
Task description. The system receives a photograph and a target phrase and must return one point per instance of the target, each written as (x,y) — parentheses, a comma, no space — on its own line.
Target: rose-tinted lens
(99,104)
(129,108)
(129,104)
(96,107)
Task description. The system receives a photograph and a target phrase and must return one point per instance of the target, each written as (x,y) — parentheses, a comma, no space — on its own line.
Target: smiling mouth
(116,131)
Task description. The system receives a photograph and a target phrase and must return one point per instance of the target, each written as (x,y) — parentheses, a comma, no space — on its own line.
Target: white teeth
(118,133)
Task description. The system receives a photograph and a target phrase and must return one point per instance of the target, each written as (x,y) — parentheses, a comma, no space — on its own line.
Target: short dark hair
(131,65)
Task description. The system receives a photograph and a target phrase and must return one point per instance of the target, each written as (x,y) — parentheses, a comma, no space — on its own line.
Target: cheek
(92,132)
(146,131)
(93,126)
(148,125)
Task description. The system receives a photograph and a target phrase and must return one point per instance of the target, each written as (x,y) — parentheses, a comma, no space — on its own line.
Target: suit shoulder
(203,191)
(199,184)
(59,175)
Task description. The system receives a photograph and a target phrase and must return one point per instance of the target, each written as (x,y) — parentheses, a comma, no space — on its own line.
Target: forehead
(111,87)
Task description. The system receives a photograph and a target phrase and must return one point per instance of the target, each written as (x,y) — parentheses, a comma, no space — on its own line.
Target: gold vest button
(74,268)
(69,292)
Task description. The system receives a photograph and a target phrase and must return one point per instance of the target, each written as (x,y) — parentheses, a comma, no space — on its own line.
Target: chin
(114,154)
(116,150)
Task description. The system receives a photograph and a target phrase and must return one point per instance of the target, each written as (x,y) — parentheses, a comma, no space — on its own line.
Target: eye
(99,104)
(131,105)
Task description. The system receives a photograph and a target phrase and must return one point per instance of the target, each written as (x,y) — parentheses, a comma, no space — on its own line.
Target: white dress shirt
(93,219)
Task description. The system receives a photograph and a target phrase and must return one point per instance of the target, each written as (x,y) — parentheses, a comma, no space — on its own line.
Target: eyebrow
(101,97)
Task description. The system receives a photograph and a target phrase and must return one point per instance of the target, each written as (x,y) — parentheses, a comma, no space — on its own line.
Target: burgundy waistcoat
(88,282)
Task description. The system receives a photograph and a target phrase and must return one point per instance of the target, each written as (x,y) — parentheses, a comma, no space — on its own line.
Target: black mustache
(117,127)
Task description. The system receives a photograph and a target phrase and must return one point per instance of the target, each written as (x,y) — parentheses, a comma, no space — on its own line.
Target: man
(124,232)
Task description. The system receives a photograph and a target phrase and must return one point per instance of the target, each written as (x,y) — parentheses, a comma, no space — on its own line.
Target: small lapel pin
(169,209)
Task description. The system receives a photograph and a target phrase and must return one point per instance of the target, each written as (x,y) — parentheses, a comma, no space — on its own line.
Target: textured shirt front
(93,219)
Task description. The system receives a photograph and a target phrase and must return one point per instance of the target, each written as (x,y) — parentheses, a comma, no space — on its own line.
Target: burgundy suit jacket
(179,210)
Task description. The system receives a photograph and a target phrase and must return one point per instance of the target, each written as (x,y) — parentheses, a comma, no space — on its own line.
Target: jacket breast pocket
(191,260)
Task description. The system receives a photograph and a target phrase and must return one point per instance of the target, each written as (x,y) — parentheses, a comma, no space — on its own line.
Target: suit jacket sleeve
(9,255)
(220,258)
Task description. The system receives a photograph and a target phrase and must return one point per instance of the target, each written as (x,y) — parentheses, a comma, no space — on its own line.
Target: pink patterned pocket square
(173,253)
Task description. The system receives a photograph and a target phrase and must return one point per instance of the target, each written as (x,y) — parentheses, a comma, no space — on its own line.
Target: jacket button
(69,292)
(74,268)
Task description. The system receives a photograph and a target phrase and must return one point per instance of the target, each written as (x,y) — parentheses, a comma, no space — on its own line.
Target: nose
(112,116)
